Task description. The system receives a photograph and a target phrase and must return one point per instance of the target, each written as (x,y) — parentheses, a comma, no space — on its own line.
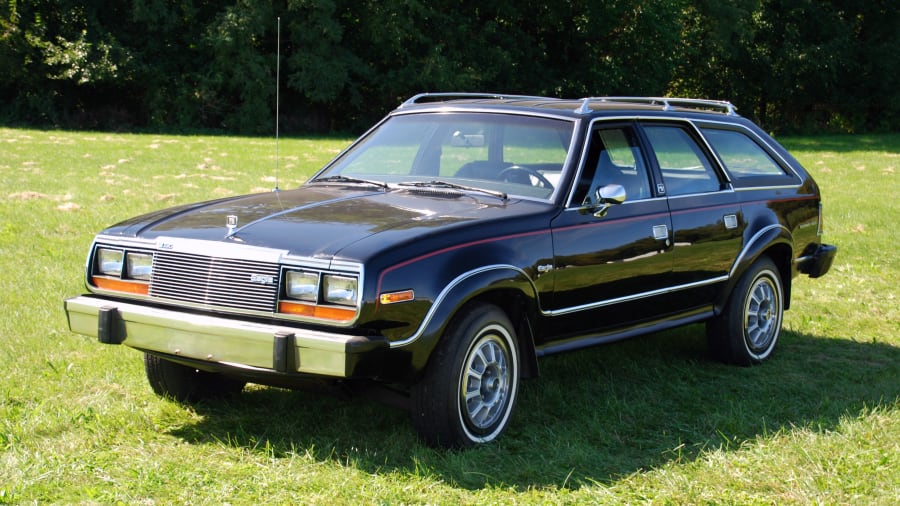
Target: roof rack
(441,97)
(668,103)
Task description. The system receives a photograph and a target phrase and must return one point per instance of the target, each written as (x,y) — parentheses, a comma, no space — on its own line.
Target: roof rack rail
(666,102)
(441,97)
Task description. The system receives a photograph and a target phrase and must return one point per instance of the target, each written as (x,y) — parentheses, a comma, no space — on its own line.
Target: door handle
(660,233)
(731,221)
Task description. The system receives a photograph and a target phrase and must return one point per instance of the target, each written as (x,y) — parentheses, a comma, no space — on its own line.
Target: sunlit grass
(651,420)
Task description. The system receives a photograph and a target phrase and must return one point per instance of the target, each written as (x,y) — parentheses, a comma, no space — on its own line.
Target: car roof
(582,107)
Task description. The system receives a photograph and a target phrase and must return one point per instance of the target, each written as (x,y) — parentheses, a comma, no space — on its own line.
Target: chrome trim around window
(770,150)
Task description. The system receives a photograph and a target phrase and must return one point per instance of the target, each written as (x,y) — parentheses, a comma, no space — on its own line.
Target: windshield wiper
(345,179)
(444,184)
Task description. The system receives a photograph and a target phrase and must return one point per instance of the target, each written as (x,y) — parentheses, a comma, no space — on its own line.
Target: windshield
(503,153)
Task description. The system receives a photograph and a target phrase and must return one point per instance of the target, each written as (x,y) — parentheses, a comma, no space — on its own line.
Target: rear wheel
(747,330)
(186,384)
(469,390)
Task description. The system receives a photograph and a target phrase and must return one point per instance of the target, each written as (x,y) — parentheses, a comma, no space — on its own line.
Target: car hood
(321,221)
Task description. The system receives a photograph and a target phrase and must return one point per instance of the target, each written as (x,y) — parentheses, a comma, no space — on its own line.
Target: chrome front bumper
(222,342)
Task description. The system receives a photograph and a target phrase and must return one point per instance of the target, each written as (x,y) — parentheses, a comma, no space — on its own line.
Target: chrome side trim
(637,296)
(594,339)
(462,277)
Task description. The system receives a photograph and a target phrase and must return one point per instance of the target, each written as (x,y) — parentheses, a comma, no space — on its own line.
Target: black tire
(747,330)
(469,390)
(186,384)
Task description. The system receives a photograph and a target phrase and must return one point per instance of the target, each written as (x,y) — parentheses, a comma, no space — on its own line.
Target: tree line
(792,65)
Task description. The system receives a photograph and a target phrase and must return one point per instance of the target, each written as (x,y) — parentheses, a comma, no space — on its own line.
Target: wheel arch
(521,311)
(775,242)
(504,286)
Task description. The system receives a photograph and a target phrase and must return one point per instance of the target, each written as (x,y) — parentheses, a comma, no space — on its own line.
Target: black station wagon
(458,240)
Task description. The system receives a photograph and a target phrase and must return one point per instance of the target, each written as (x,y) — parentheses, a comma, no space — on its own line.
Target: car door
(707,222)
(606,264)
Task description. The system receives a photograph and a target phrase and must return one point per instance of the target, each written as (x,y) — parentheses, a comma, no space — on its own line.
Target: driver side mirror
(603,197)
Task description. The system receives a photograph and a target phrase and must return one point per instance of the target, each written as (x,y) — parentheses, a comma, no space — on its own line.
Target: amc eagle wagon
(459,240)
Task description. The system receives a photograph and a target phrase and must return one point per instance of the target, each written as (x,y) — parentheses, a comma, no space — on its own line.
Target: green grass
(651,420)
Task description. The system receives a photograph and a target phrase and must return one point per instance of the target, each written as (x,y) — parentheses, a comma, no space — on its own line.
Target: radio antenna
(277,95)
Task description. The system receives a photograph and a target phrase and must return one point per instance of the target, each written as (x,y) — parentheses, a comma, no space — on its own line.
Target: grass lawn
(651,420)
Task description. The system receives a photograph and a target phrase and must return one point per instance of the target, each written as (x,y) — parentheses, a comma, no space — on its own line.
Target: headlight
(109,262)
(117,270)
(138,266)
(302,285)
(339,290)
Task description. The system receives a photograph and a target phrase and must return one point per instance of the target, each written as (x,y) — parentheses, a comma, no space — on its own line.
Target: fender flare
(761,242)
(463,289)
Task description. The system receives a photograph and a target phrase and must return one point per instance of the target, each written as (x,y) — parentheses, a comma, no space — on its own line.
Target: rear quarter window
(745,160)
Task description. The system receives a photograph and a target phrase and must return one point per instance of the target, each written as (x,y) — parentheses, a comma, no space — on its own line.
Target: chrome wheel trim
(487,384)
(762,313)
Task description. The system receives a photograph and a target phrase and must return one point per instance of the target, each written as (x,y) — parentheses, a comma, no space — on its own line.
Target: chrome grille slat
(211,281)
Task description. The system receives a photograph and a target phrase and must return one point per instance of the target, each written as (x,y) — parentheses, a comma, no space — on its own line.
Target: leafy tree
(791,64)
(795,64)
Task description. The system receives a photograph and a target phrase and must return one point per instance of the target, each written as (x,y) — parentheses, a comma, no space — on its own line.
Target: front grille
(215,282)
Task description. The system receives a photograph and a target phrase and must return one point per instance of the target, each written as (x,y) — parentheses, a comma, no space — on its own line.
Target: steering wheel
(524,175)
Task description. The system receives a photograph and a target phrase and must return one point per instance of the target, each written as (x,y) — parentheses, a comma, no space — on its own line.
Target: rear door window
(685,167)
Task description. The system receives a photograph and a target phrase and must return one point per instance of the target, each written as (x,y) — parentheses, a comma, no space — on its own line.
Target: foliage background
(791,65)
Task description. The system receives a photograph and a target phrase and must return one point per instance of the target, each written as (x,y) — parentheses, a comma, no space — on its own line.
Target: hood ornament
(231,222)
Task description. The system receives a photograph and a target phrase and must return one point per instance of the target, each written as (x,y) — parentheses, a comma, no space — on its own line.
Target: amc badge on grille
(262,279)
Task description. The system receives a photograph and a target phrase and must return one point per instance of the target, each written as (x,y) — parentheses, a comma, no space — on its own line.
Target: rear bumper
(225,343)
(819,262)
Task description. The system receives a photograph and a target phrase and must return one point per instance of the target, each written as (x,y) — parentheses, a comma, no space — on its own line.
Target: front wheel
(469,390)
(747,330)
(186,384)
